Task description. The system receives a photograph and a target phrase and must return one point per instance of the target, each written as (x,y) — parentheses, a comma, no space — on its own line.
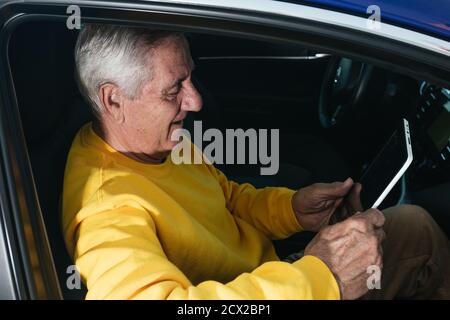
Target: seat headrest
(41,59)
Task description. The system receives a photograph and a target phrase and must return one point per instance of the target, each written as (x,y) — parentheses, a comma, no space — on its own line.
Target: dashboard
(430,122)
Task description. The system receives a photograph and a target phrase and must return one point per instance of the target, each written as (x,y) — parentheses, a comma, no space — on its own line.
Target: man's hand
(349,248)
(314,205)
(349,206)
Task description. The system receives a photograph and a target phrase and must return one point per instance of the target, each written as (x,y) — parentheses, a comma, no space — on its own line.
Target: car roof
(430,17)
(330,12)
(426,16)
(311,10)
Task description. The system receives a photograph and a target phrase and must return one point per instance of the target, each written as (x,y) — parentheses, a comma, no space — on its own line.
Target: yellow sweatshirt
(166,231)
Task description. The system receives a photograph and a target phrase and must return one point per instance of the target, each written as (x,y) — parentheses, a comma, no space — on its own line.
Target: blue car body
(431,17)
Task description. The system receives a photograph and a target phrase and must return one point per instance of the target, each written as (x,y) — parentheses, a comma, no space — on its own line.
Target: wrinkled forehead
(172,56)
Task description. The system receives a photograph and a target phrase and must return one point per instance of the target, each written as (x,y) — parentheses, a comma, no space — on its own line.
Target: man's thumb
(340,189)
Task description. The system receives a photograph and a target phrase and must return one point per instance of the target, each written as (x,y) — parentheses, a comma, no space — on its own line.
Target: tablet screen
(384,169)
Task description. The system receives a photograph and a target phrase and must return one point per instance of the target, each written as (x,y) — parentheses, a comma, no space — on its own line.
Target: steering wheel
(343,88)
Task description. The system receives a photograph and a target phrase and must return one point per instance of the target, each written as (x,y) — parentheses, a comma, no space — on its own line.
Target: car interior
(328,131)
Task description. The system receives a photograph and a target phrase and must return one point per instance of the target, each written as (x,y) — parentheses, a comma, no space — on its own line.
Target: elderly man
(140,227)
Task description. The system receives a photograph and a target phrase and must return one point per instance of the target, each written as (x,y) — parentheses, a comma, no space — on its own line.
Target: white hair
(116,54)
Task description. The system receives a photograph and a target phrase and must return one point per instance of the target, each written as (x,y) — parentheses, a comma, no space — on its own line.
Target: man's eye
(172,95)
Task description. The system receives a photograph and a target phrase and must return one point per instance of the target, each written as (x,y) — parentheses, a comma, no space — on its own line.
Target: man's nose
(192,101)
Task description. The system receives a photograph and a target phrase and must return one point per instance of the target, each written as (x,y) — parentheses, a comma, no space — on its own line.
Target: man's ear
(112,101)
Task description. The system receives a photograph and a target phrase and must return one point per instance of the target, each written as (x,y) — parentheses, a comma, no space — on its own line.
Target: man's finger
(338,189)
(374,217)
(354,198)
(337,203)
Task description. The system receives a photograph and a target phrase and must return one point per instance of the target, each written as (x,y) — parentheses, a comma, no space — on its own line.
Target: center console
(430,124)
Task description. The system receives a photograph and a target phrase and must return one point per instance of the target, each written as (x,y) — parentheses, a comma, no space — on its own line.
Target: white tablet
(387,168)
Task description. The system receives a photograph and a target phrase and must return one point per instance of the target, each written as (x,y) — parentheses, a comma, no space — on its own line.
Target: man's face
(151,118)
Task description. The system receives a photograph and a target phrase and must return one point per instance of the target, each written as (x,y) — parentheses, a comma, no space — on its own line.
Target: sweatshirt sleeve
(267,209)
(119,256)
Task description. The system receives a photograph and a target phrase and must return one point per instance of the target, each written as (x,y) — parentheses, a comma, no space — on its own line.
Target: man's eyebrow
(176,83)
(181,79)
